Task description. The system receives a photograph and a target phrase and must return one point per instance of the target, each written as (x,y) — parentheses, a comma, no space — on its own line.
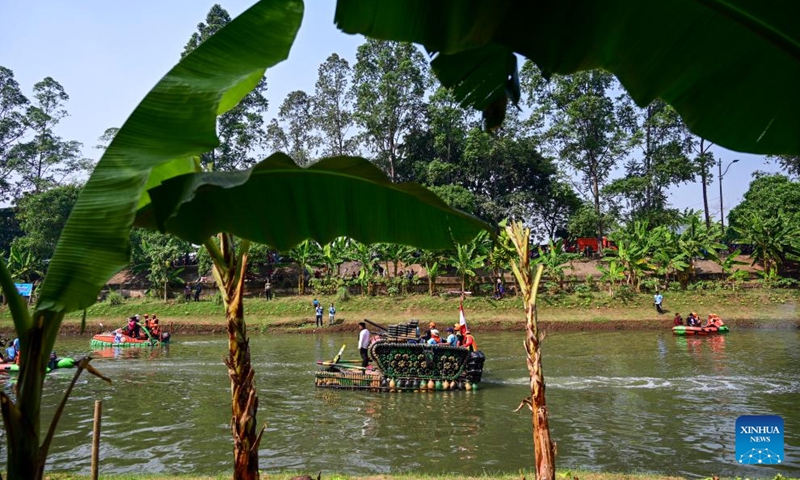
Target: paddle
(339,355)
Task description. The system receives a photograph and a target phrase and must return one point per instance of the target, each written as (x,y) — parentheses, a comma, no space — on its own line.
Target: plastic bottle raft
(65,362)
(107,339)
(402,366)
(684,330)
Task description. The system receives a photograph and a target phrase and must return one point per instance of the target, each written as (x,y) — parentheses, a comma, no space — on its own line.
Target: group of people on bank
(318,313)
(692,320)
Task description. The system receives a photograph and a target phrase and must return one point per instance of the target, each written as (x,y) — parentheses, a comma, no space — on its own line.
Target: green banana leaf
(168,130)
(729,67)
(280,204)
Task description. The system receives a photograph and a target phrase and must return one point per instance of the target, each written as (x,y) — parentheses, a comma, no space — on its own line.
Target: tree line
(550,164)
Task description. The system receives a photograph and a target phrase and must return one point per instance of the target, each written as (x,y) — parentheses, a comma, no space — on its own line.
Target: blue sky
(107,55)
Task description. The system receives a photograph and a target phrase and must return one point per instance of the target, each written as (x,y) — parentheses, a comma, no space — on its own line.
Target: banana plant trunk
(544,448)
(22,419)
(229,270)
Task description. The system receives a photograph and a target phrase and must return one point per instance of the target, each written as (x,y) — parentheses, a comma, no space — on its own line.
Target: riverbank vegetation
(166,169)
(598,310)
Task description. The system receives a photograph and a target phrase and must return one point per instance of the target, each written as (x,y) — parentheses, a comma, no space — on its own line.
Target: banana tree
(697,241)
(305,254)
(332,255)
(22,264)
(363,254)
(544,449)
(150,175)
(431,261)
(466,260)
(554,261)
(634,250)
(774,240)
(613,273)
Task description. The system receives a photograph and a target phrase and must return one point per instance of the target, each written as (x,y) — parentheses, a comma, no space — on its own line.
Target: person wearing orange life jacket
(435,338)
(714,321)
(469,341)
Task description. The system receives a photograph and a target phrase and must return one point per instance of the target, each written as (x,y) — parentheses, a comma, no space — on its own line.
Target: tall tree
(703,161)
(790,163)
(552,210)
(663,144)
(46,159)
(42,217)
(241,129)
(156,254)
(12,126)
(584,125)
(389,87)
(293,131)
(507,174)
(768,196)
(333,107)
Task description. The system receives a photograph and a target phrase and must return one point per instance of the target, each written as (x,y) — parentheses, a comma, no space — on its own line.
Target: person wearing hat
(451,340)
(427,336)
(469,341)
(363,343)
(435,338)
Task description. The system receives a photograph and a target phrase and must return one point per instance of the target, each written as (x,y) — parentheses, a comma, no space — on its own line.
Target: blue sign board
(24,289)
(759,439)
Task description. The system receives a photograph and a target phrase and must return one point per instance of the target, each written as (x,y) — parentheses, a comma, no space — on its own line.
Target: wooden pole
(98,409)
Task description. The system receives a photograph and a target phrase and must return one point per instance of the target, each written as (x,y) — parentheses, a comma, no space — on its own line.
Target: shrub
(114,298)
(650,284)
(674,286)
(343,294)
(393,290)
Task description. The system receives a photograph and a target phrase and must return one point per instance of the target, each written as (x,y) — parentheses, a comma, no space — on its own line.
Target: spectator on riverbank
(331,314)
(658,300)
(268,290)
(197,289)
(318,313)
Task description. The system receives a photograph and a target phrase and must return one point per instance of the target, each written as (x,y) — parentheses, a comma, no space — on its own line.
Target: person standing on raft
(363,343)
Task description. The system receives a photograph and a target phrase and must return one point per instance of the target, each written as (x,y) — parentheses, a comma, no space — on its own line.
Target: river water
(619,402)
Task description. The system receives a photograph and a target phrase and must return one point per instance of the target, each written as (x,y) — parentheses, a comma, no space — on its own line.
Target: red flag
(462,320)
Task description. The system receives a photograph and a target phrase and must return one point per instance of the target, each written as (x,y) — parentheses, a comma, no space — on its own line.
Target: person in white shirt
(363,343)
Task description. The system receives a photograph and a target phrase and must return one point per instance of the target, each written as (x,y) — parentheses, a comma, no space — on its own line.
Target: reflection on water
(638,401)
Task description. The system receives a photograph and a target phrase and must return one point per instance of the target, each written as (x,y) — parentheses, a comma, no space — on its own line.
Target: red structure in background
(588,245)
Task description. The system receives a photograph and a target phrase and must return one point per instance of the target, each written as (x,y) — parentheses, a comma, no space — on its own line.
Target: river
(619,402)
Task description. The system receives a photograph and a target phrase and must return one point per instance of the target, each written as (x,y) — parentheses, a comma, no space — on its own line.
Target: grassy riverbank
(592,310)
